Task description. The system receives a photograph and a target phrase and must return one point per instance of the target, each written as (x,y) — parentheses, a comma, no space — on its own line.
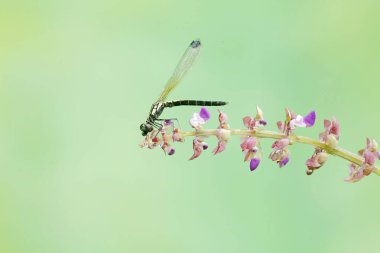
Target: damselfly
(182,68)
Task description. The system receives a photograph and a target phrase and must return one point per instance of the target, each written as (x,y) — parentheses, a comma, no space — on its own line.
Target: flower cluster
(250,144)
(330,137)
(168,133)
(370,154)
(280,152)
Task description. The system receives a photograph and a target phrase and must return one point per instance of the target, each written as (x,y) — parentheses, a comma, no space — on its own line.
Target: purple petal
(310,119)
(171,151)
(254,163)
(204,114)
(283,162)
(263,122)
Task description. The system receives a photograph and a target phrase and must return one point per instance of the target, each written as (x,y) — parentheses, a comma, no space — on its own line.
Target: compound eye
(143,133)
(142,127)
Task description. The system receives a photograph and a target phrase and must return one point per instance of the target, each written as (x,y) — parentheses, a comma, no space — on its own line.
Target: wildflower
(370,153)
(257,121)
(356,173)
(150,141)
(293,121)
(248,143)
(299,121)
(165,130)
(248,146)
(200,118)
(220,147)
(280,153)
(316,161)
(198,146)
(177,136)
(223,133)
(167,148)
(331,134)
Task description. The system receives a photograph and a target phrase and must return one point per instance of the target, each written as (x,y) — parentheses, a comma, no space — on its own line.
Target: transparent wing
(182,68)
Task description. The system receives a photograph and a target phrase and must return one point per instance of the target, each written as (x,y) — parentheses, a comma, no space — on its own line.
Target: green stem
(260,133)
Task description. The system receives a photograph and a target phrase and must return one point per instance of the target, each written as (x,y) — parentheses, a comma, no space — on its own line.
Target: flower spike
(361,165)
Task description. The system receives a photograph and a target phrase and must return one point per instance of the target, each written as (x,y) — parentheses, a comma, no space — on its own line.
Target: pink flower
(221,147)
(280,153)
(167,148)
(369,154)
(248,143)
(223,133)
(176,136)
(257,121)
(150,141)
(198,146)
(355,174)
(248,146)
(223,118)
(331,132)
(316,161)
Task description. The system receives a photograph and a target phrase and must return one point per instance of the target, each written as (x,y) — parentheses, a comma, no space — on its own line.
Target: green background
(77,78)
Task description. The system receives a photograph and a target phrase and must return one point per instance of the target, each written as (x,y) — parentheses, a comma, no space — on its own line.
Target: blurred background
(77,78)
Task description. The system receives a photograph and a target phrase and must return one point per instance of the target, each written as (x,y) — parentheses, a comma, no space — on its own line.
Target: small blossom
(196,121)
(223,118)
(198,146)
(177,136)
(248,143)
(317,160)
(257,121)
(150,141)
(332,129)
(248,146)
(223,133)
(280,153)
(356,174)
(200,118)
(169,150)
(282,143)
(293,121)
(254,163)
(299,121)
(221,147)
(369,154)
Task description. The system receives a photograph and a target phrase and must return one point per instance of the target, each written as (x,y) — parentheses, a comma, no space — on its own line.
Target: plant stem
(260,133)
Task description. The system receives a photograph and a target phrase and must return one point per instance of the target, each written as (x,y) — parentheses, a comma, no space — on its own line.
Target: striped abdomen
(194,102)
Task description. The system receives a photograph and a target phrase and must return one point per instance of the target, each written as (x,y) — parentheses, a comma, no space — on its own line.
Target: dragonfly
(183,66)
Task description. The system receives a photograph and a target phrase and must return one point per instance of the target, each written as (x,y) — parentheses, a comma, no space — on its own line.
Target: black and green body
(181,69)
(158,107)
